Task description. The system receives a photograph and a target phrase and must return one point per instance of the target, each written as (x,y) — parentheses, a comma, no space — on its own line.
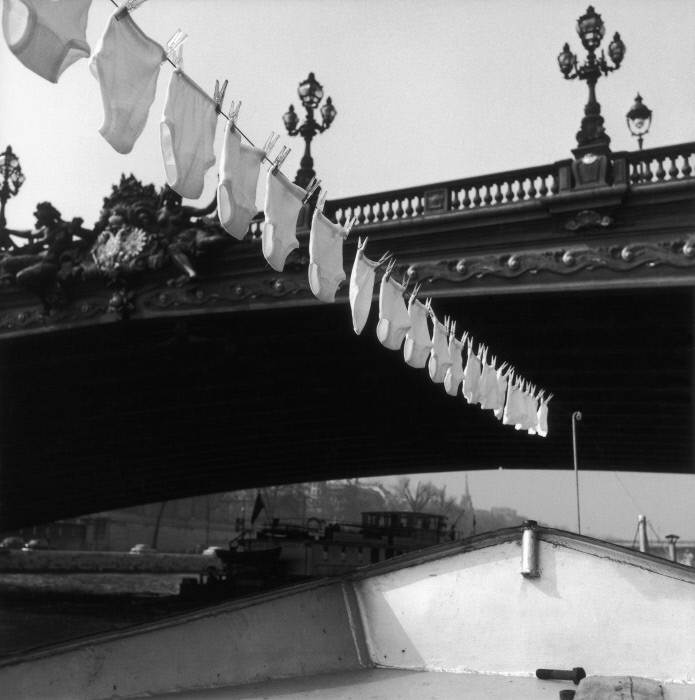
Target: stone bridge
(154,357)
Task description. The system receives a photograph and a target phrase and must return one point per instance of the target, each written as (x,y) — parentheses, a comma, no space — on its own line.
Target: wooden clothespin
(174,52)
(234,111)
(321,200)
(127,7)
(428,306)
(270,142)
(416,291)
(218,95)
(277,163)
(383,259)
(349,226)
(311,188)
(389,268)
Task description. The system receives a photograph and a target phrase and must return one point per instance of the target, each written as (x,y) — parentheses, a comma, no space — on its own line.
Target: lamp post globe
(639,119)
(310,92)
(591,29)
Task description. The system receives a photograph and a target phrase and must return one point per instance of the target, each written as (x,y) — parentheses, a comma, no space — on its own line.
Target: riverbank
(41,609)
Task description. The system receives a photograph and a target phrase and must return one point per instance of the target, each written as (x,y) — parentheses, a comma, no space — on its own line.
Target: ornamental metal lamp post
(639,119)
(591,138)
(11,182)
(310,93)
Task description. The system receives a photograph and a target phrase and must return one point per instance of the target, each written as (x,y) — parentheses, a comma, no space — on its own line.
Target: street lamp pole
(576,417)
(592,137)
(310,93)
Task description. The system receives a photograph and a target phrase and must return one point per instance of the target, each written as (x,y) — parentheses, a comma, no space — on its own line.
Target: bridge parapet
(664,164)
(622,220)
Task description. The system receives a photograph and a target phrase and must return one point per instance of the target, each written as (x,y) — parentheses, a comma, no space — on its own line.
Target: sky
(425,92)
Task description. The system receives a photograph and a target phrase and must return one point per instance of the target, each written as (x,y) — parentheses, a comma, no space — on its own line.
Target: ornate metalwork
(561,261)
(138,229)
(588,218)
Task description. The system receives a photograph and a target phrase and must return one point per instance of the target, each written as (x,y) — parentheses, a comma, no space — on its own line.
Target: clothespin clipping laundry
(218,95)
(126,7)
(389,268)
(311,188)
(383,259)
(233,111)
(174,52)
(277,163)
(349,226)
(270,142)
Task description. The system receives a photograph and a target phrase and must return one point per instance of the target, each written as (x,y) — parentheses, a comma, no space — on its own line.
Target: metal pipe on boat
(529,549)
(672,539)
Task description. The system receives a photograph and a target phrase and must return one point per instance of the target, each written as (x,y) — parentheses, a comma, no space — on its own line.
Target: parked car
(211,551)
(31,545)
(12,543)
(142,549)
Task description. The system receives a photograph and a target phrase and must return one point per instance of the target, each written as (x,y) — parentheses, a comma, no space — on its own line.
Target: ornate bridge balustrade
(513,186)
(154,357)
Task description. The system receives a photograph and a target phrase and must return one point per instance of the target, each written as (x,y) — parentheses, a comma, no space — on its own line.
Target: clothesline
(219,111)
(187,133)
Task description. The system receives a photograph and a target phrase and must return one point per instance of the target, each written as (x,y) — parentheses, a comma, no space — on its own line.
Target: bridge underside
(122,385)
(141,411)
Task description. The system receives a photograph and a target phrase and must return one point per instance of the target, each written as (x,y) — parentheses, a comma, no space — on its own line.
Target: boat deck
(387,684)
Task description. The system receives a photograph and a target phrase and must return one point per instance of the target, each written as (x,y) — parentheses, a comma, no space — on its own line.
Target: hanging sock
(418,342)
(283,202)
(362,286)
(240,166)
(489,389)
(126,64)
(542,429)
(47,37)
(502,383)
(471,382)
(440,360)
(187,133)
(454,375)
(394,321)
(514,409)
(530,423)
(325,257)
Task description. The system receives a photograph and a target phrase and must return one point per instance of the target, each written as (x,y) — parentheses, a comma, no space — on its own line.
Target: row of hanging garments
(406,327)
(48,37)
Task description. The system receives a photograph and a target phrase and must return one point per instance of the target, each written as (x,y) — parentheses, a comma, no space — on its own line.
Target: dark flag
(258,506)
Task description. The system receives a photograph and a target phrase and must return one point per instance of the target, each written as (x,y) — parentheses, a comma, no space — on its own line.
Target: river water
(41,609)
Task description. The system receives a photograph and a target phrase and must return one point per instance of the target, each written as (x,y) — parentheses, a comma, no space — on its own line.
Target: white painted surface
(462,608)
(388,684)
(474,612)
(302,633)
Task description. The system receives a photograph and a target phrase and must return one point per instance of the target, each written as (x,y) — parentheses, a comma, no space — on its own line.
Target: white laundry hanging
(454,374)
(418,342)
(440,360)
(46,36)
(394,321)
(126,64)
